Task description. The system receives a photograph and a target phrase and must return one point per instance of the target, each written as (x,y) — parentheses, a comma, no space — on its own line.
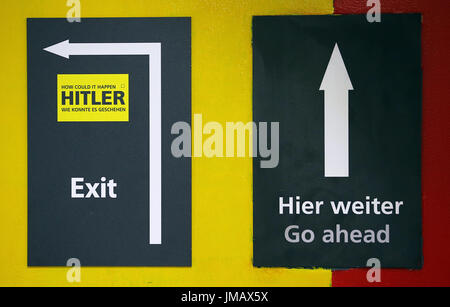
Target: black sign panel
(103,185)
(347,95)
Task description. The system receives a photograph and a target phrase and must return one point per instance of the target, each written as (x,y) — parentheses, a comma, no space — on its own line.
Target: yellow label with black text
(93,98)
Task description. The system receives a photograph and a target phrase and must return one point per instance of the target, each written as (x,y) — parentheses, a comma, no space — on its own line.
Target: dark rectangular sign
(347,94)
(104,187)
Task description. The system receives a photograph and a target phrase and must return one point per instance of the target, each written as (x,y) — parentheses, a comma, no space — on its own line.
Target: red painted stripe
(436,145)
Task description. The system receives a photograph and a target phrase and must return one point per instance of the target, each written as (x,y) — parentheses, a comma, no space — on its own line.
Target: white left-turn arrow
(153,51)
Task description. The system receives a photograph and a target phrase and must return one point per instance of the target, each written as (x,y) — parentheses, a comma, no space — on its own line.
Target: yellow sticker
(93,98)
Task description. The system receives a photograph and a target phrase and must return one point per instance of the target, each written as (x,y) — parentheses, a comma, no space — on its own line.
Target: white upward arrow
(336,84)
(153,51)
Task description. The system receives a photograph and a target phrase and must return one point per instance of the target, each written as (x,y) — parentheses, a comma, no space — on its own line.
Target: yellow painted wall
(222,188)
